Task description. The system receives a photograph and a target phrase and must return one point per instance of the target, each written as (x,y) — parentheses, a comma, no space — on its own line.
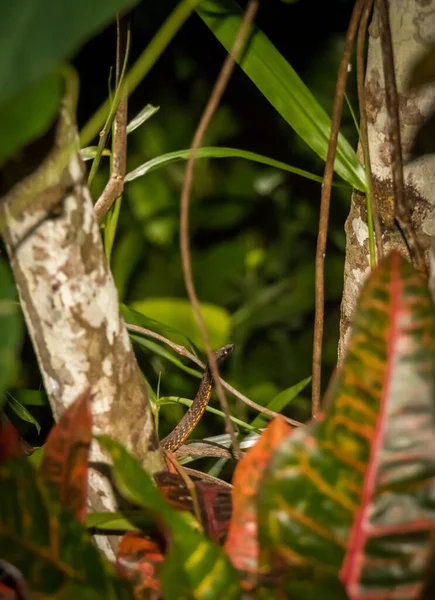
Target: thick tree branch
(411,37)
(71,308)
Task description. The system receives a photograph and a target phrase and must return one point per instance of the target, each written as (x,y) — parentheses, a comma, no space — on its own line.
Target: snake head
(223,353)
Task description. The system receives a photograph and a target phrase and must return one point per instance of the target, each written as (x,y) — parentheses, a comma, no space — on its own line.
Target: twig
(402,210)
(115,185)
(324,208)
(255,406)
(209,111)
(120,93)
(207,477)
(372,210)
(184,352)
(157,336)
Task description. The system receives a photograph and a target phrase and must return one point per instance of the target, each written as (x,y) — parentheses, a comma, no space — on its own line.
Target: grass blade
(284,89)
(216,152)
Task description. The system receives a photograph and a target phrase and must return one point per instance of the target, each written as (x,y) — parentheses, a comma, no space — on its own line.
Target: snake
(192,417)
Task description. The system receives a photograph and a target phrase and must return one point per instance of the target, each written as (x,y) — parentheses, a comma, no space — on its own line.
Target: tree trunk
(413,30)
(70,305)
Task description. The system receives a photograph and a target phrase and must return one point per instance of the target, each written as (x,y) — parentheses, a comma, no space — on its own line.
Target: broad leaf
(214,501)
(133,317)
(178,313)
(6,592)
(38,35)
(10,443)
(44,541)
(242,541)
(280,84)
(127,520)
(30,397)
(11,327)
(65,460)
(27,115)
(195,567)
(140,560)
(355,493)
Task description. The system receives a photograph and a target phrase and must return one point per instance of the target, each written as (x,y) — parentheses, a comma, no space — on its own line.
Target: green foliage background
(253,228)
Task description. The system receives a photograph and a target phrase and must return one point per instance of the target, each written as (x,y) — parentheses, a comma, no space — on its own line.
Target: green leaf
(280,84)
(22,412)
(354,493)
(36,36)
(120,521)
(195,566)
(133,317)
(90,152)
(28,114)
(30,397)
(36,457)
(146,113)
(11,327)
(280,401)
(161,351)
(178,313)
(126,254)
(215,152)
(41,539)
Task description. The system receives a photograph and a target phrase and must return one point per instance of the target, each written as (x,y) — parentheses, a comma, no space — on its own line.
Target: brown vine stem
(207,477)
(360,71)
(215,97)
(182,351)
(324,207)
(403,211)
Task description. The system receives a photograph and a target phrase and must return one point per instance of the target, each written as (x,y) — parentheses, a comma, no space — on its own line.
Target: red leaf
(242,541)
(216,508)
(214,500)
(391,367)
(139,560)
(12,584)
(7,593)
(10,443)
(65,462)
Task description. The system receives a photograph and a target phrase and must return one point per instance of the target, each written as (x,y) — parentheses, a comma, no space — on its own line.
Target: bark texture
(413,31)
(70,305)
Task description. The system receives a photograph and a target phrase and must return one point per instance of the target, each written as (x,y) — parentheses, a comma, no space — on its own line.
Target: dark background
(253,228)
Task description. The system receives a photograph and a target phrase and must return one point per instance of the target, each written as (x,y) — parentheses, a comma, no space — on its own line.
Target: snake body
(189,421)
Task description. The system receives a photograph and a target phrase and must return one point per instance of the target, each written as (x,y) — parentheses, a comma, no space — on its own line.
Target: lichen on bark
(413,29)
(71,308)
